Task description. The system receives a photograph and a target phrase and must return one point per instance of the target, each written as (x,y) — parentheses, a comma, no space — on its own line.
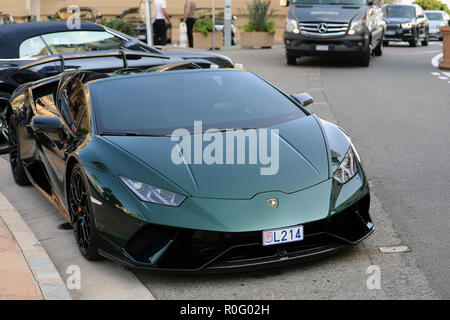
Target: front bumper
(171,249)
(398,34)
(300,45)
(435,34)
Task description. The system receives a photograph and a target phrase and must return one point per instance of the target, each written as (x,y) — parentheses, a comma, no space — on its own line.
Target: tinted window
(399,12)
(436,16)
(74,109)
(160,103)
(68,42)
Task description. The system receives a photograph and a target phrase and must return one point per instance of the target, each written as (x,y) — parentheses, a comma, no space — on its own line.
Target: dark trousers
(159,32)
(190,26)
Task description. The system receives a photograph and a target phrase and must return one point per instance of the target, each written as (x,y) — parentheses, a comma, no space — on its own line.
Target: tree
(433,5)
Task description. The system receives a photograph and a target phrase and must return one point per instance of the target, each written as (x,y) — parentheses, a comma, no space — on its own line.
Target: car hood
(335,13)
(303,162)
(435,23)
(398,20)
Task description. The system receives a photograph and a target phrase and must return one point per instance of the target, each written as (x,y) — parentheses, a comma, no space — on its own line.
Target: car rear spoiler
(119,53)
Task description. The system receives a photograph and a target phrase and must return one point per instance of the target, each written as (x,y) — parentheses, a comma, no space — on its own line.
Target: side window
(33,48)
(73,108)
(44,99)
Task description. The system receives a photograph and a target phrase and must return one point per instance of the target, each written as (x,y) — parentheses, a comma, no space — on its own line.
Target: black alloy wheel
(4,137)
(81,214)
(17,169)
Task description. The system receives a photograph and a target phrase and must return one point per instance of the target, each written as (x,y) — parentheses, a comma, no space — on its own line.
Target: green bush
(259,13)
(119,25)
(433,5)
(203,26)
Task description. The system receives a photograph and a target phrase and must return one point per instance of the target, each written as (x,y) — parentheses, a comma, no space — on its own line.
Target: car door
(71,109)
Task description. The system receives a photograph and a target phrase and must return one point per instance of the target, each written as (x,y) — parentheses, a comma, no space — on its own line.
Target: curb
(44,272)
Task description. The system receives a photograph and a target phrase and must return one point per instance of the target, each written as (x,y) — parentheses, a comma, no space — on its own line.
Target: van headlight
(348,167)
(292,26)
(356,27)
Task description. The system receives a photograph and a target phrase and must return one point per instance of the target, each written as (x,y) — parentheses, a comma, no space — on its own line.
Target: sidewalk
(16,278)
(26,271)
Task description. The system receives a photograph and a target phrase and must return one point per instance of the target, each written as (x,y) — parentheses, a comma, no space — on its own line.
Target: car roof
(12,35)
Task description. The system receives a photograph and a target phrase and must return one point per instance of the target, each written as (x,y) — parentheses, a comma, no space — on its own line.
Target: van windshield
(332,2)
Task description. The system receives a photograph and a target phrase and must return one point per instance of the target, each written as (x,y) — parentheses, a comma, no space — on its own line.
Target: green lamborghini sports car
(187,169)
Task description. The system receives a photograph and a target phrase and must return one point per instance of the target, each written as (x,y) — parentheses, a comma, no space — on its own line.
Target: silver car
(437,19)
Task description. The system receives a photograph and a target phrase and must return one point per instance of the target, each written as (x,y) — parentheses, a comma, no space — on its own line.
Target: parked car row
(355,28)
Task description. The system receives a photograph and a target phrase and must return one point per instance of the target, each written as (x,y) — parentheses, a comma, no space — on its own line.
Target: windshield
(157,104)
(68,42)
(399,12)
(333,2)
(436,16)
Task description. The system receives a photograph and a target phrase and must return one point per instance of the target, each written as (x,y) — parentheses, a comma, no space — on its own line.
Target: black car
(329,27)
(87,14)
(33,51)
(406,23)
(6,18)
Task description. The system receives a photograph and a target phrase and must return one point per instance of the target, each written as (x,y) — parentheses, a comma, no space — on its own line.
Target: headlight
(407,25)
(292,26)
(357,26)
(149,193)
(348,167)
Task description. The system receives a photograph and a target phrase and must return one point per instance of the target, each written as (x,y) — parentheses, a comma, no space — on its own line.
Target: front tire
(379,50)
(364,60)
(80,209)
(426,41)
(15,161)
(4,136)
(291,60)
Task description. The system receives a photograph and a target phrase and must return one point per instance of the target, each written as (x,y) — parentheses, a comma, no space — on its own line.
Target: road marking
(395,249)
(436,73)
(443,78)
(436,59)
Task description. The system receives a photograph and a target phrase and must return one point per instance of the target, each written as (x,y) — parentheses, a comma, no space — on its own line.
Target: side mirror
(370,2)
(47,124)
(285,3)
(233,18)
(130,45)
(304,98)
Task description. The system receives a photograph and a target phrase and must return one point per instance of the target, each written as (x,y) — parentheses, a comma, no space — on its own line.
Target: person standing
(189,12)
(159,26)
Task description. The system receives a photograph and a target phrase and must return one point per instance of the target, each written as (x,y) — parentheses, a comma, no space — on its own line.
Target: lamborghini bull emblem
(273,202)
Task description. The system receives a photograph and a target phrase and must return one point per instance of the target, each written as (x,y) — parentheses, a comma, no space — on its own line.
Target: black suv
(406,23)
(323,27)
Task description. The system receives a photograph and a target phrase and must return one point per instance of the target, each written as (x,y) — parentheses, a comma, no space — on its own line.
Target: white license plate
(389,33)
(322,48)
(283,235)
(141,37)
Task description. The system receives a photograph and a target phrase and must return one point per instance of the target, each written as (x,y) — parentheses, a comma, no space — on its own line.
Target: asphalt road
(397,113)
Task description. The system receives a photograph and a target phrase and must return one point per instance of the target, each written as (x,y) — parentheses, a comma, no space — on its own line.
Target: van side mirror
(285,3)
(304,98)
